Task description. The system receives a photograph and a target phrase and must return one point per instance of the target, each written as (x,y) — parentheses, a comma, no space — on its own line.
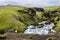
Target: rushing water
(44,30)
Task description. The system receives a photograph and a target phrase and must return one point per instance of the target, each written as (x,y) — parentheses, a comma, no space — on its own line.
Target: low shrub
(51,38)
(3,36)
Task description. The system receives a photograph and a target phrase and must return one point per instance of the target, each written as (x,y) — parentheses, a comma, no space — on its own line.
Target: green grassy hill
(11,18)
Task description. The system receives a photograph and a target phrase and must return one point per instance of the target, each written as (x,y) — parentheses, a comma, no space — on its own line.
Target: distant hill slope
(11,18)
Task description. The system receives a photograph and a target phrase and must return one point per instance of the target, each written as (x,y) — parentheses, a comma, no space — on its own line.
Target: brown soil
(15,36)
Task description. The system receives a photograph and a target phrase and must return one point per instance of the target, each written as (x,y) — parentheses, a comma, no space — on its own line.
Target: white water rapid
(44,30)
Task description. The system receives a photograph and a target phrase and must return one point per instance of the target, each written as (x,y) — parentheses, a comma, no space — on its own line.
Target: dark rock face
(39,9)
(31,11)
(22,11)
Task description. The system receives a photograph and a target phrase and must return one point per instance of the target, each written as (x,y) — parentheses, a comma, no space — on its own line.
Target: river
(31,29)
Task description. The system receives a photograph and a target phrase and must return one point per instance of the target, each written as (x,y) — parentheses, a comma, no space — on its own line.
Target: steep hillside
(11,18)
